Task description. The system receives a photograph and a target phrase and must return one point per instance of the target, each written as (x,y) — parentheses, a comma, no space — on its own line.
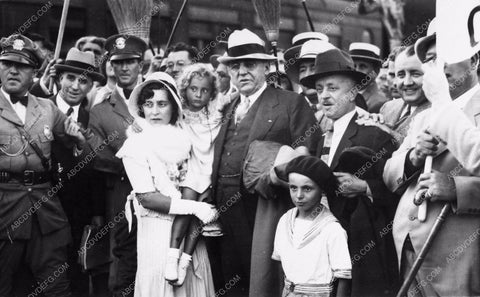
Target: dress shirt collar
(341,124)
(462,100)
(64,106)
(255,95)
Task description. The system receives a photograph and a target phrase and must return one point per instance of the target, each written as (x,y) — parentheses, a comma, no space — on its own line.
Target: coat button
(29,189)
(228,154)
(27,153)
(236,133)
(412,218)
(122,178)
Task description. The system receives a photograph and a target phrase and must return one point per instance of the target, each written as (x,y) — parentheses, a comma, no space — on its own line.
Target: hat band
(78,64)
(360,52)
(246,49)
(332,66)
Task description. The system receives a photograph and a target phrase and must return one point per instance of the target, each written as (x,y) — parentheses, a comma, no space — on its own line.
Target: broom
(268,12)
(61,31)
(132,17)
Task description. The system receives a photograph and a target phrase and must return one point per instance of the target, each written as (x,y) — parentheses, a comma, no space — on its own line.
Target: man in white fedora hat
(366,57)
(260,113)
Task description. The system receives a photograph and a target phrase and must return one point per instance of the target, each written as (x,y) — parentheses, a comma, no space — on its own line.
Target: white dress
(155,160)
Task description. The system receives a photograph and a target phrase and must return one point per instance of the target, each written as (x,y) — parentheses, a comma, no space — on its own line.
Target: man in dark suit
(360,203)
(82,195)
(109,121)
(261,113)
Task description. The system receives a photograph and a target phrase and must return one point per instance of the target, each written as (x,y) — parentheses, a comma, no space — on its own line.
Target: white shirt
(463,99)
(339,128)
(64,106)
(18,107)
(254,96)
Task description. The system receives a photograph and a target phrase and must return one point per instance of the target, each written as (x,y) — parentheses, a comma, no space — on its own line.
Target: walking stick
(420,197)
(176,23)
(304,3)
(61,30)
(426,247)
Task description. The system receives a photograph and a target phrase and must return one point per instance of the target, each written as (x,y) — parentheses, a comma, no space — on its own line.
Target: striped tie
(242,109)
(327,143)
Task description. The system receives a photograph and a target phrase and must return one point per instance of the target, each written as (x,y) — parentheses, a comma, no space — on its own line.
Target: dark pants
(46,256)
(237,215)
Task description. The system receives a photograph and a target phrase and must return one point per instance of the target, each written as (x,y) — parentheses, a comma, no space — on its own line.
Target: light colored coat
(453,264)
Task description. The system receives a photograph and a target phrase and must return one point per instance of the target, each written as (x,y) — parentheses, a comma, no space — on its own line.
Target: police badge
(47,132)
(18,44)
(120,43)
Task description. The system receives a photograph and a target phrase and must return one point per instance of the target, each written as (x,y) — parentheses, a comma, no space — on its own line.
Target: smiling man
(261,113)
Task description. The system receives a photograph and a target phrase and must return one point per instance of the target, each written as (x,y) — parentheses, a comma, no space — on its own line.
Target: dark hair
(178,47)
(147,93)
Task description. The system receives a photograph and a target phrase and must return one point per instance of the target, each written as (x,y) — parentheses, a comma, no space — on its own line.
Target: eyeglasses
(248,64)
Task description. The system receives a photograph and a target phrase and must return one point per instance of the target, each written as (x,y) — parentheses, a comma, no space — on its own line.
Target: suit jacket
(456,249)
(18,203)
(374,98)
(373,273)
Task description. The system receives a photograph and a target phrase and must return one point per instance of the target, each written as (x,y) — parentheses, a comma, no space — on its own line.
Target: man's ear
(474,61)
(267,67)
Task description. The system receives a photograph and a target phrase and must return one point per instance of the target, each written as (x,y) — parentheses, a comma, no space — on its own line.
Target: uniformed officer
(109,121)
(33,226)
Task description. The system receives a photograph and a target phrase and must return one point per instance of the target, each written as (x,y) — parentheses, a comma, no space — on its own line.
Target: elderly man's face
(409,78)
(248,75)
(336,93)
(460,75)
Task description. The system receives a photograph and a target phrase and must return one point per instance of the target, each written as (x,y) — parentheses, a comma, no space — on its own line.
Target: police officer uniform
(109,121)
(33,226)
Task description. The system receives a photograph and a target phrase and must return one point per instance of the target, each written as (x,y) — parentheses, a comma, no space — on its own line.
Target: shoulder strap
(38,151)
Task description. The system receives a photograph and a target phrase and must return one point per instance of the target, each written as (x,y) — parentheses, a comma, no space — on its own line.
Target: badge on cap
(120,42)
(18,44)
(47,132)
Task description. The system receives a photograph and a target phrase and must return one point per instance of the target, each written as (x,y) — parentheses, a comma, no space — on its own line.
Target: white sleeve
(276,255)
(338,254)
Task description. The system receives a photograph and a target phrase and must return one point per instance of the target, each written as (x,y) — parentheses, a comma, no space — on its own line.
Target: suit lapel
(7,112)
(265,116)
(345,141)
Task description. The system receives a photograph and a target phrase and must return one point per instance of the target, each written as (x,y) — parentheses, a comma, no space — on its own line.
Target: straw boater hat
(244,44)
(299,39)
(159,77)
(423,43)
(20,49)
(332,62)
(365,51)
(309,50)
(81,63)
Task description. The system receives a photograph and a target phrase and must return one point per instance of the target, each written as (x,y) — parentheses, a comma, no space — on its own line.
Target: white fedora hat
(363,50)
(423,42)
(308,50)
(244,44)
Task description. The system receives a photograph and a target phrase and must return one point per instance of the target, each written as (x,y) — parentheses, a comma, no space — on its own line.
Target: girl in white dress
(155,160)
(309,240)
(202,118)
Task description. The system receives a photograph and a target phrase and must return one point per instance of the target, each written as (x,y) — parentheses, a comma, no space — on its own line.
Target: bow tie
(22,99)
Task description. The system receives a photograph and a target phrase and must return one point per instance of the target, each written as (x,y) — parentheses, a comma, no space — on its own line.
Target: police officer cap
(20,49)
(123,47)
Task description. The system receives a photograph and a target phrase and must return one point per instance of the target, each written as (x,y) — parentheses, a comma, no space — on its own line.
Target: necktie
(402,118)
(127,93)
(69,111)
(242,109)
(327,143)
(22,99)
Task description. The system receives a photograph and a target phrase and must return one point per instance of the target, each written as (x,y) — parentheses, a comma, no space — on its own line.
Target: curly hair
(197,70)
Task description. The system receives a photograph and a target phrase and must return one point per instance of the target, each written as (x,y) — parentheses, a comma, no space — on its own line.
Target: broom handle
(304,3)
(277,66)
(176,23)
(61,30)
(423,252)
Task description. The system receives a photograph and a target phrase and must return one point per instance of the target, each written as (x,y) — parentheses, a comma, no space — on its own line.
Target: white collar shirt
(17,107)
(254,96)
(339,128)
(64,106)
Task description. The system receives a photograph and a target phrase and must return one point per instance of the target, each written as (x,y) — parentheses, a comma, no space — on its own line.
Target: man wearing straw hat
(361,204)
(451,266)
(366,57)
(33,227)
(261,113)
(108,122)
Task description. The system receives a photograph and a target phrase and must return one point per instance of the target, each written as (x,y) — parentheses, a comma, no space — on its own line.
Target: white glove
(204,211)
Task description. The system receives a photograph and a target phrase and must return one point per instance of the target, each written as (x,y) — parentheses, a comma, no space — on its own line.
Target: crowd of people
(233,178)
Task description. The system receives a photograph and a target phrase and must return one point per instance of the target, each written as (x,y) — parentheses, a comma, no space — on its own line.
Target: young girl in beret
(309,241)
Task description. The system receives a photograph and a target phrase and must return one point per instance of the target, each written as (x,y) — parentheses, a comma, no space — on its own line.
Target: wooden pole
(176,23)
(61,31)
(308,15)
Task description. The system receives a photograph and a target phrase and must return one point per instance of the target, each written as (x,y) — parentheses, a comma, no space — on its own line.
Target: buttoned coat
(456,249)
(19,203)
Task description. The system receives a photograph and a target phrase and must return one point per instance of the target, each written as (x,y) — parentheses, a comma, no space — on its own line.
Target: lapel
(265,116)
(7,112)
(33,112)
(119,105)
(83,116)
(345,141)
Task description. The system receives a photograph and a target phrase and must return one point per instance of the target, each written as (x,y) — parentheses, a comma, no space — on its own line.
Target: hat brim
(118,57)
(310,80)
(257,56)
(422,44)
(18,59)
(96,76)
(368,58)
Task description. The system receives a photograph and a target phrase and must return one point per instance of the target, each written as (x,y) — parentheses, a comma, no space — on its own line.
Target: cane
(420,197)
(426,247)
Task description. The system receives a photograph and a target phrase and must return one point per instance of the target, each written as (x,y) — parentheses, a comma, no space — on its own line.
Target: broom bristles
(268,12)
(132,17)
